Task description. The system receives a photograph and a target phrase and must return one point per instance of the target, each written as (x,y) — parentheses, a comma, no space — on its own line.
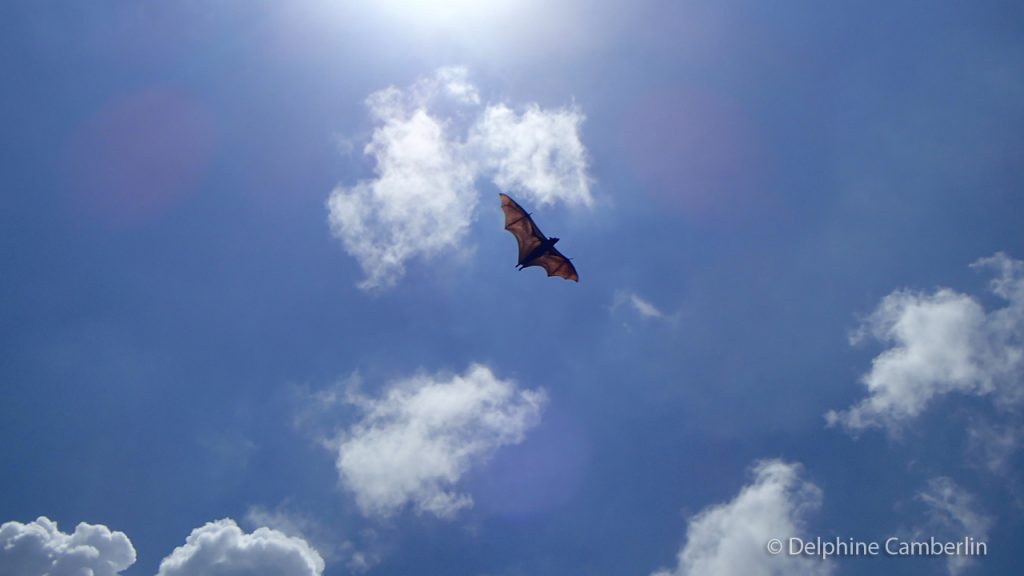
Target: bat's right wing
(555,264)
(519,223)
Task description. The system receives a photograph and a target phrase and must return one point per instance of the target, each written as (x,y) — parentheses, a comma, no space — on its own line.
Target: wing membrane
(519,223)
(555,264)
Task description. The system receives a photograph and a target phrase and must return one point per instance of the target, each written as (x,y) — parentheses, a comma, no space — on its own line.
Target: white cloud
(280,519)
(417,440)
(422,200)
(731,538)
(537,153)
(942,343)
(952,514)
(639,305)
(993,445)
(454,81)
(326,542)
(40,549)
(221,548)
(644,308)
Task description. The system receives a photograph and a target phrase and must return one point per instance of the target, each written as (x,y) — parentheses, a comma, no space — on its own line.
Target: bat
(535,249)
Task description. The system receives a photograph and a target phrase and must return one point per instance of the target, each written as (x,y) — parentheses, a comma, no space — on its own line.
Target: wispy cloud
(952,514)
(993,445)
(942,343)
(431,144)
(639,305)
(416,441)
(730,538)
(334,548)
(221,548)
(39,547)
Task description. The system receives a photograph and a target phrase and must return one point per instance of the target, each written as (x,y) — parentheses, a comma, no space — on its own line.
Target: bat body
(535,249)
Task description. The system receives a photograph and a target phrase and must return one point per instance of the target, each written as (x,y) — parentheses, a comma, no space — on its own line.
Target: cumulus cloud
(730,538)
(221,548)
(428,151)
(537,154)
(942,343)
(422,201)
(40,549)
(952,515)
(416,441)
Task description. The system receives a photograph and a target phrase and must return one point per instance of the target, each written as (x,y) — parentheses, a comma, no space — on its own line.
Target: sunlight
(447,14)
(463,31)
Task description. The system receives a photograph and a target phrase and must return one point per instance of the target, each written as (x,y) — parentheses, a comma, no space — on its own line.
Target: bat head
(553,241)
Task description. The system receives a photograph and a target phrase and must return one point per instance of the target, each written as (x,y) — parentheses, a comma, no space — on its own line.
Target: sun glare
(447,14)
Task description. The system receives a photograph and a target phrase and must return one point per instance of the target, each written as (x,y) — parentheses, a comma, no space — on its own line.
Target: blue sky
(259,315)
